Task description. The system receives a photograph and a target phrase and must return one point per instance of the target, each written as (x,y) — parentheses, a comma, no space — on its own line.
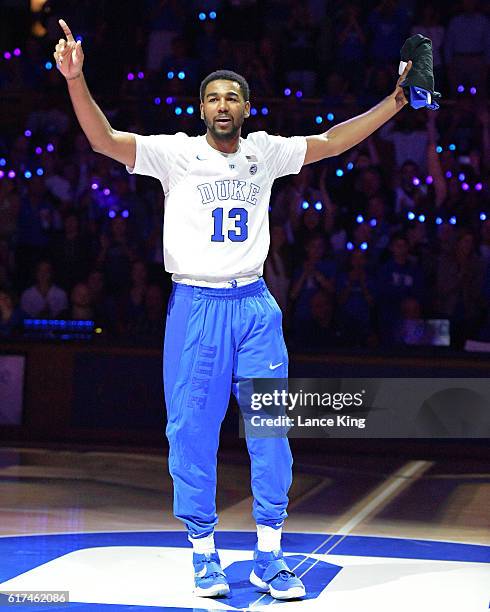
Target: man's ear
(201,107)
(247,109)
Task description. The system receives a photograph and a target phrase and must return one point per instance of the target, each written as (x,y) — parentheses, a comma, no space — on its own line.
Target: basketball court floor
(376,533)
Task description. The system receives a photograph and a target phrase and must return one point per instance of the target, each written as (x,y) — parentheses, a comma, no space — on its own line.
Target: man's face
(44,273)
(223,109)
(400,248)
(80,295)
(5,300)
(96,282)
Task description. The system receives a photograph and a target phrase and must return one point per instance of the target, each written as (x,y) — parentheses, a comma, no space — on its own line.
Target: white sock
(204,545)
(268,538)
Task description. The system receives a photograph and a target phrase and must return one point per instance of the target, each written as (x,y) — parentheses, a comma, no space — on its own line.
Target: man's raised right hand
(68,54)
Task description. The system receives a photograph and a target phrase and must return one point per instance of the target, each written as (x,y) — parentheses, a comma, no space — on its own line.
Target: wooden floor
(372,533)
(46,491)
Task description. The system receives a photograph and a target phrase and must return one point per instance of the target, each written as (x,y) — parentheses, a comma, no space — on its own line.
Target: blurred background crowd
(385,246)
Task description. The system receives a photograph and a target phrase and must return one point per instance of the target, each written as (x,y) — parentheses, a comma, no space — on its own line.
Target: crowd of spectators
(364,248)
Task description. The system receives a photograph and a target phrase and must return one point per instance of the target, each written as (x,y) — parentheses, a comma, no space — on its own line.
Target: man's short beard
(224,136)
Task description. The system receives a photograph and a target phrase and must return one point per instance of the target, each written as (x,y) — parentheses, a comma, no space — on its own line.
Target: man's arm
(121,146)
(348,134)
(433,162)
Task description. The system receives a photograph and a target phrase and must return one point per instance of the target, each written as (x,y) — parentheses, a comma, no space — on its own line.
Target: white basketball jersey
(216,224)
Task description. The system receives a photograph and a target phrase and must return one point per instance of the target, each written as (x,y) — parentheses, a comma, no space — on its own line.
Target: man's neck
(44,288)
(223,146)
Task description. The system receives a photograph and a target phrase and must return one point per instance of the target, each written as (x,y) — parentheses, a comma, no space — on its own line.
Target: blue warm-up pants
(215,338)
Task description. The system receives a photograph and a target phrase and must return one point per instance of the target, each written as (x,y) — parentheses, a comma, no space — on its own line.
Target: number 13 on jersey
(239,234)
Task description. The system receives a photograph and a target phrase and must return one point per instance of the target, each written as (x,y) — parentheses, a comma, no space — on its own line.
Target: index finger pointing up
(66,30)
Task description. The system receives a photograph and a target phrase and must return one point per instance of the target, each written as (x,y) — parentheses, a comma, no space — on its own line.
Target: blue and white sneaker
(209,578)
(271,574)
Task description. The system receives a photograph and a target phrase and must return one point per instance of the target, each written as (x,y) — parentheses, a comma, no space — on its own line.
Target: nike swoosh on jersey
(274,367)
(201,158)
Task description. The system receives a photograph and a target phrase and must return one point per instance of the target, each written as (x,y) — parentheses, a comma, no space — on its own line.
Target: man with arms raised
(223,325)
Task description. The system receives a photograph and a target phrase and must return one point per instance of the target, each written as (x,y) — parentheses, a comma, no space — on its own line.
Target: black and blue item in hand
(419,84)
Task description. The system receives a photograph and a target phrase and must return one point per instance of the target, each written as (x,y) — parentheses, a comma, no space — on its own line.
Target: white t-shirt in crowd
(33,302)
(216,225)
